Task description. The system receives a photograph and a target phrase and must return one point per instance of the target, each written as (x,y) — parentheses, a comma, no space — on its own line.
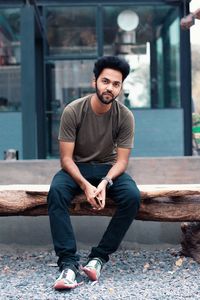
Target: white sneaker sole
(62,285)
(91,273)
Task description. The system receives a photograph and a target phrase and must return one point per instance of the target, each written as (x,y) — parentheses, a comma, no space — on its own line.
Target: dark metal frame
(185,89)
(32,85)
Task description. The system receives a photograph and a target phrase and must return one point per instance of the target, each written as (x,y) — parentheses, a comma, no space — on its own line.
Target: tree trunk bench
(164,203)
(169,203)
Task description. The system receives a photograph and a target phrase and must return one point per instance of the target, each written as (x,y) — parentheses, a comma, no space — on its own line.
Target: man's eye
(116,84)
(105,81)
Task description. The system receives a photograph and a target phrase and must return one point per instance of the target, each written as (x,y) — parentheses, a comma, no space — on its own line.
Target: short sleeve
(68,125)
(125,138)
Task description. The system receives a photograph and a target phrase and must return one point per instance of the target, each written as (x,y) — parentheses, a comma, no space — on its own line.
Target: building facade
(47,52)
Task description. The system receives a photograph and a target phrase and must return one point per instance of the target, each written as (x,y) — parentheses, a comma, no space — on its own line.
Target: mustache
(108,93)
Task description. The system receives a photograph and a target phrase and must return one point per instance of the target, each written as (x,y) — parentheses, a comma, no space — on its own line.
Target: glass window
(71,30)
(10,70)
(195,46)
(66,81)
(174,78)
(121,38)
(160,73)
(139,33)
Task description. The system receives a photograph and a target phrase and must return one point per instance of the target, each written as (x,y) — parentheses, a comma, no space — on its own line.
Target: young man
(96,136)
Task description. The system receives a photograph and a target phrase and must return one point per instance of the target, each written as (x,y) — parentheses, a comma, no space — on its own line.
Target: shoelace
(68,276)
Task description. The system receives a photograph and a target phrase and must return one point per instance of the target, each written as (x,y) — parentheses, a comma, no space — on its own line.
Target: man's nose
(109,87)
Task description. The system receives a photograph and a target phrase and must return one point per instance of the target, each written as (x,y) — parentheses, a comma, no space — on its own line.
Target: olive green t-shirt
(96,137)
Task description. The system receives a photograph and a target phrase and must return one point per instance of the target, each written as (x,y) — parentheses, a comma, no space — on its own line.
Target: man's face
(108,85)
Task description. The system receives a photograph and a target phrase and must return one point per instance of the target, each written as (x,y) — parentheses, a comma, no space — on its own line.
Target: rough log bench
(163,203)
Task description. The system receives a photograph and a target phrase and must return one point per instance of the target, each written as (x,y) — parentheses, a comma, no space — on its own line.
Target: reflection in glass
(160,73)
(10,98)
(151,48)
(72,30)
(123,39)
(138,81)
(67,81)
(174,78)
(128,20)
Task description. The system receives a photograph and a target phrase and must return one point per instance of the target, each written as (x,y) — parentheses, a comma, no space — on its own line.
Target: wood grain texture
(168,203)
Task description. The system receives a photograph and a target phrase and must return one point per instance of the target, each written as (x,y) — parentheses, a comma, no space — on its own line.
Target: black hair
(111,62)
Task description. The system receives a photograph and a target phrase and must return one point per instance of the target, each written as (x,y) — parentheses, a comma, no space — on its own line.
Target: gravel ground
(29,273)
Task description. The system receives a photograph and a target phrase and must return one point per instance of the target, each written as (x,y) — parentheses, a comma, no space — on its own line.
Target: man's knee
(132,198)
(62,190)
(58,197)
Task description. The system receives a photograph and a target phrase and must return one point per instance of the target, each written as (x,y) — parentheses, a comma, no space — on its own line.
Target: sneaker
(68,279)
(93,268)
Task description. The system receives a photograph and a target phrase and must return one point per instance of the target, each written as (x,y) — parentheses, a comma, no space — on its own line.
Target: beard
(102,97)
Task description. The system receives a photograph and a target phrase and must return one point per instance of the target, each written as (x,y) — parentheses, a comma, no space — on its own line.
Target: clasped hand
(96,196)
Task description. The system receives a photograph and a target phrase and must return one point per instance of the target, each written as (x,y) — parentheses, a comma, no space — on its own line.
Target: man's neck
(98,107)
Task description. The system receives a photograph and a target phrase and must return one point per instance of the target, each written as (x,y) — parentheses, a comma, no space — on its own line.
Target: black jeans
(63,189)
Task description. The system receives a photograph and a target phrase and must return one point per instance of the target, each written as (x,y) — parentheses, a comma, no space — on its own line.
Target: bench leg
(191,240)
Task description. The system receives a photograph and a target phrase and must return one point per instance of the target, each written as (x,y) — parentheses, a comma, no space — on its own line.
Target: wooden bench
(169,203)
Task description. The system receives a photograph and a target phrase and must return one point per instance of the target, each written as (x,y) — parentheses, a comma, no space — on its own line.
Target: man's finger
(98,200)
(93,203)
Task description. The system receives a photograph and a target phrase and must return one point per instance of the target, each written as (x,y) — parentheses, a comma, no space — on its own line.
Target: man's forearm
(117,169)
(196,14)
(69,166)
(189,20)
